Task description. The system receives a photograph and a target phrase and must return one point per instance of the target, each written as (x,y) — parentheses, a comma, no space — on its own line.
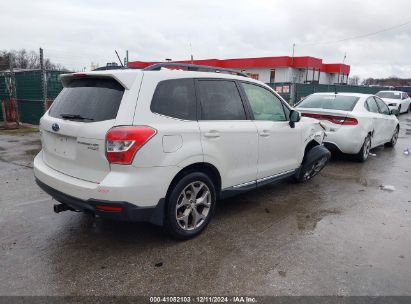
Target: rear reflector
(79,75)
(122,143)
(109,208)
(339,120)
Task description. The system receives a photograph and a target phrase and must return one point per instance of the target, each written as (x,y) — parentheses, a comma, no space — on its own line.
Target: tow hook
(60,208)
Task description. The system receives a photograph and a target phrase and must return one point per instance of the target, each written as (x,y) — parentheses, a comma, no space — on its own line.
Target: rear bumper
(142,187)
(347,140)
(129,212)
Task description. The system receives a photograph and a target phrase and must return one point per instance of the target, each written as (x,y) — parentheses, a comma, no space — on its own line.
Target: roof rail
(193,67)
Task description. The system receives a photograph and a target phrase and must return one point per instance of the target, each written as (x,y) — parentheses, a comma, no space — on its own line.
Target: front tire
(309,171)
(394,138)
(190,206)
(362,156)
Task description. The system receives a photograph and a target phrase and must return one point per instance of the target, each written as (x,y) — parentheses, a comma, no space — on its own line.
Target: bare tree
(22,59)
(354,80)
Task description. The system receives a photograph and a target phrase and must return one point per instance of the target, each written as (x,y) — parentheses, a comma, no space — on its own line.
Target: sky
(77,33)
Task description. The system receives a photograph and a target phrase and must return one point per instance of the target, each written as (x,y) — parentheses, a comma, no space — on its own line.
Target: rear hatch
(334,110)
(74,129)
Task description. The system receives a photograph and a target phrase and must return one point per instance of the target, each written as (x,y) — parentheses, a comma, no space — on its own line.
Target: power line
(359,36)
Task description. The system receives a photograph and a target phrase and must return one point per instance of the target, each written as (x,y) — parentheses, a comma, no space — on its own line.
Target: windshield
(391,95)
(331,102)
(88,100)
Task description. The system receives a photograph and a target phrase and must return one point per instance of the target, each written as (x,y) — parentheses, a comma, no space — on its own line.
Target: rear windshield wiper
(74,116)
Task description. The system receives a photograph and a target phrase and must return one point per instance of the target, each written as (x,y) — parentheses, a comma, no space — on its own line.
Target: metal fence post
(3,110)
(13,91)
(43,80)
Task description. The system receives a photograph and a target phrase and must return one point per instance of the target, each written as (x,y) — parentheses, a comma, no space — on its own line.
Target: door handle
(265,133)
(212,134)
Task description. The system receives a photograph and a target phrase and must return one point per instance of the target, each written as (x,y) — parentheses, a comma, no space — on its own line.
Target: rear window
(220,100)
(175,98)
(88,100)
(391,95)
(330,102)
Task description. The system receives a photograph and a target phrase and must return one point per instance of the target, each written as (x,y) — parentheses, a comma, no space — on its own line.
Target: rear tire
(190,206)
(362,156)
(394,138)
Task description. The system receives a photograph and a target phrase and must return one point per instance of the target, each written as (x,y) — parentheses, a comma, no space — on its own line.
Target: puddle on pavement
(33,151)
(366,182)
(34,142)
(308,220)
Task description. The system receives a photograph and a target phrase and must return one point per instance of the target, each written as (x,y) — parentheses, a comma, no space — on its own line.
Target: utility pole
(127,59)
(43,80)
(191,55)
(345,56)
(13,91)
(293,85)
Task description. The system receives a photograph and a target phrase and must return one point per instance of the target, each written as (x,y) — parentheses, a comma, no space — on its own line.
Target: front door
(279,145)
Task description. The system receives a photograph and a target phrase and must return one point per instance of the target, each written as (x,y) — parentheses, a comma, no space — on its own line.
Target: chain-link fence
(26,94)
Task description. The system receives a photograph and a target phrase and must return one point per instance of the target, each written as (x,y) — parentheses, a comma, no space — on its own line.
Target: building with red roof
(304,69)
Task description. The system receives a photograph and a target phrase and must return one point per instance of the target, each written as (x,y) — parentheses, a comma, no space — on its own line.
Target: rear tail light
(122,143)
(339,120)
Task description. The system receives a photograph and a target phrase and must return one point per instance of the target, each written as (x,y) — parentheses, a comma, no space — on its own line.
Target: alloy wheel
(394,137)
(193,205)
(367,147)
(315,168)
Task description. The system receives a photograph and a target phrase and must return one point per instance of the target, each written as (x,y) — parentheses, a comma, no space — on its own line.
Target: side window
(383,107)
(372,105)
(404,95)
(175,98)
(264,104)
(220,100)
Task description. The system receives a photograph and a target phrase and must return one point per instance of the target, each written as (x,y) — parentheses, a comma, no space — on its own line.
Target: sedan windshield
(391,95)
(331,102)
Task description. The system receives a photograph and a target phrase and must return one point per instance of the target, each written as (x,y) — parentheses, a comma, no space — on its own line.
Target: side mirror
(295,116)
(394,112)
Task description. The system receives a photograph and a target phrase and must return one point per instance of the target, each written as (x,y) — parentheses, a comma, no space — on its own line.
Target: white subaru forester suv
(163,144)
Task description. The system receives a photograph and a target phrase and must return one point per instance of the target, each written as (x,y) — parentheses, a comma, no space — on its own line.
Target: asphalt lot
(339,234)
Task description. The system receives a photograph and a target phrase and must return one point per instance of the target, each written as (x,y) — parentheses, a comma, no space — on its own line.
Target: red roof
(336,68)
(305,62)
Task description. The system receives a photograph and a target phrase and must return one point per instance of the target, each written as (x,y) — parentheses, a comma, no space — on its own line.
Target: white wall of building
(288,74)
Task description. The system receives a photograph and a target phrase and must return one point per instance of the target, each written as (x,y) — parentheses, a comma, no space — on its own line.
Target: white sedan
(354,123)
(396,100)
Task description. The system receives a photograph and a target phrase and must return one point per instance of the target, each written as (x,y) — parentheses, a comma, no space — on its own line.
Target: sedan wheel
(362,156)
(394,138)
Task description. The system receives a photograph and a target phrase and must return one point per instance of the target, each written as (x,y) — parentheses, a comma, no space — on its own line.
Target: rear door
(279,145)
(378,122)
(387,121)
(73,130)
(229,140)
